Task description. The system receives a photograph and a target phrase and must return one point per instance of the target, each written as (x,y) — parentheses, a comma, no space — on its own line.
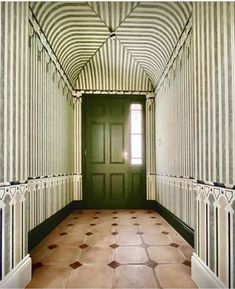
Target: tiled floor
(112,249)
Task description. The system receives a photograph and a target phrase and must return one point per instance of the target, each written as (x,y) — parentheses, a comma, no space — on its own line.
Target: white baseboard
(20,276)
(203,276)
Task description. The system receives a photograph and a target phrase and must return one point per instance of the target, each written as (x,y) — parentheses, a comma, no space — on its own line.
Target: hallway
(112,249)
(117,106)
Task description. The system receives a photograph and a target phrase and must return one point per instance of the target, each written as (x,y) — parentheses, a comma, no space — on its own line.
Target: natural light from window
(136,134)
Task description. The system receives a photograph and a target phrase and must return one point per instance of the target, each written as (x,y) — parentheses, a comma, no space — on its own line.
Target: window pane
(136,121)
(135,146)
(136,106)
(136,161)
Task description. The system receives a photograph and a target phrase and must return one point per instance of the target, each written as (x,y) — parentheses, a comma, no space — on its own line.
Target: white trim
(20,276)
(203,276)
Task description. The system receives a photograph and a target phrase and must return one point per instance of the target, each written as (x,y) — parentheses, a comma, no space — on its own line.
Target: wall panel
(13,91)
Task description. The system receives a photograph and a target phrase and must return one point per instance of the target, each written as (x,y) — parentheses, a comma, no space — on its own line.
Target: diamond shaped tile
(133,217)
(136,224)
(69,225)
(53,246)
(174,245)
(36,265)
(95,217)
(114,246)
(153,217)
(114,233)
(165,233)
(63,233)
(115,212)
(75,265)
(132,212)
(149,212)
(115,217)
(151,263)
(139,233)
(76,217)
(92,224)
(158,224)
(114,264)
(89,233)
(143,245)
(114,224)
(187,263)
(83,246)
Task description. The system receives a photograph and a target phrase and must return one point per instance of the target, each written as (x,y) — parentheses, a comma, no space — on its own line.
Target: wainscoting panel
(178,196)
(25,206)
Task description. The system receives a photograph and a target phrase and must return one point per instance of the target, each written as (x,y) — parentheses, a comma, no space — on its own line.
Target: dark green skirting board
(184,230)
(36,235)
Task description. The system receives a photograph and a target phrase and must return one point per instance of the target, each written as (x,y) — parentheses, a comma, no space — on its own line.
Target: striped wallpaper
(113,68)
(175,134)
(214,91)
(13,91)
(50,115)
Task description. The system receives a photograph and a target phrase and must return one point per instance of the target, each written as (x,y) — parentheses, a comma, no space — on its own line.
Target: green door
(113,178)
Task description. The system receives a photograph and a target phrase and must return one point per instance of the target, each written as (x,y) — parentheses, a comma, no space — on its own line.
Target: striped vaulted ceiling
(146,34)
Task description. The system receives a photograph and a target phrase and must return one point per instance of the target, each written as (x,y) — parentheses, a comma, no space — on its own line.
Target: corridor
(108,110)
(112,249)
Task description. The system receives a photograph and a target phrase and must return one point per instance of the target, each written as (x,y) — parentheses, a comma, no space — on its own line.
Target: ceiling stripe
(113,13)
(113,68)
(73,30)
(151,32)
(79,34)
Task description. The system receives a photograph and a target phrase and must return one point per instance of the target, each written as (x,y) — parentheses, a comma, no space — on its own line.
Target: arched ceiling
(80,33)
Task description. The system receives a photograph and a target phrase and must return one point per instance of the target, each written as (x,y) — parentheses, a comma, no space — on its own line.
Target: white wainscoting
(22,208)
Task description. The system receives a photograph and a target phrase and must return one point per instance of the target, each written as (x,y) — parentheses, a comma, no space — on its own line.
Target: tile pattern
(139,250)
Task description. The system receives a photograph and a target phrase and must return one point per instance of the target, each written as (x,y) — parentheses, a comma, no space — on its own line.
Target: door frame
(133,97)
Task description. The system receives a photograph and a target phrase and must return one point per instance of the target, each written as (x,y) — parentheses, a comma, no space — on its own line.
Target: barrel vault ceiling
(120,46)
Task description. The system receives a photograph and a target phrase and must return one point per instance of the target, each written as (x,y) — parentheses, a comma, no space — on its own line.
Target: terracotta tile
(71,239)
(114,246)
(49,277)
(127,229)
(134,276)
(187,263)
(128,239)
(175,276)
(174,245)
(165,254)
(52,246)
(61,256)
(156,239)
(152,264)
(186,250)
(130,254)
(88,276)
(114,264)
(39,252)
(100,239)
(75,265)
(102,228)
(36,265)
(83,246)
(96,255)
(150,228)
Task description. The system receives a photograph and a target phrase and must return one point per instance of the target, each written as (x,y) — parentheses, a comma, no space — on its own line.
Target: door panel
(110,180)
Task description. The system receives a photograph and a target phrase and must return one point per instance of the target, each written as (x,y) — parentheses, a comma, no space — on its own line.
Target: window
(136,134)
